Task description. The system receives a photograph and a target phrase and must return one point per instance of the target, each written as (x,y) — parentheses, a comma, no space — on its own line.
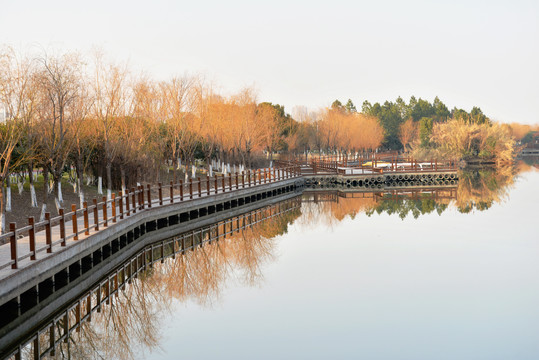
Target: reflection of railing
(418,194)
(46,340)
(53,232)
(413,194)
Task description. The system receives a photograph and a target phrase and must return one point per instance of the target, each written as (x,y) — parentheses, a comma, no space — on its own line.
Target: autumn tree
(408,132)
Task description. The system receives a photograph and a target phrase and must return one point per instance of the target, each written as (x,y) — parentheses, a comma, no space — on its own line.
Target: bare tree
(59,81)
(110,102)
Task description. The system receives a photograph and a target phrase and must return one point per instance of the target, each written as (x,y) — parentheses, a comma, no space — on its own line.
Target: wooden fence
(54,232)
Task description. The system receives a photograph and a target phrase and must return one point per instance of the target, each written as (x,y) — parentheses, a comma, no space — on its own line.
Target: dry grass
(458,139)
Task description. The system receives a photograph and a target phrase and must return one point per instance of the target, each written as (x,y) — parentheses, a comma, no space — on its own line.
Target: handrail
(96,215)
(373,163)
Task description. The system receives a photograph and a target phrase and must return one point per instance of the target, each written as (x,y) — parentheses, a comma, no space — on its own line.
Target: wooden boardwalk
(21,246)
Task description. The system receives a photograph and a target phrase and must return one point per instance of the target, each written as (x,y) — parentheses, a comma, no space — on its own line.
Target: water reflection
(128,308)
(477,189)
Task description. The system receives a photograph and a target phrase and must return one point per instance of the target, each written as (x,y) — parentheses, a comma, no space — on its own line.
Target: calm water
(361,278)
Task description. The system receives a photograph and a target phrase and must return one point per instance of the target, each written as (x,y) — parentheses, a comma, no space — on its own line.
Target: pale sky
(309,53)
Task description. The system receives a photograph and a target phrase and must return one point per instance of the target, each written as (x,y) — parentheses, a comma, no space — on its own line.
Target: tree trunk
(2,210)
(33,197)
(174,169)
(99,178)
(8,193)
(109,181)
(45,193)
(122,178)
(80,174)
(57,184)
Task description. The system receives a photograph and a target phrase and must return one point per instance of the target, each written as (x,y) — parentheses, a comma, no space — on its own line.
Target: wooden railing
(54,232)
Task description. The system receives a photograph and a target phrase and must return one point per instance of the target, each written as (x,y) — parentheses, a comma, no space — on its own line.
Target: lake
(450,274)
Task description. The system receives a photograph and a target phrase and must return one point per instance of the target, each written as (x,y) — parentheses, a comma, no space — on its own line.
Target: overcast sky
(483,53)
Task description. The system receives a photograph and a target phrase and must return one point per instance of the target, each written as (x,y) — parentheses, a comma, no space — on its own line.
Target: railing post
(172,191)
(134,200)
(121,203)
(249,177)
(160,194)
(199,187)
(96,216)
(74,221)
(149,195)
(237,182)
(208,184)
(181,190)
(127,207)
(216,184)
(190,188)
(230,181)
(223,182)
(274,172)
(13,244)
(105,215)
(113,204)
(141,197)
(265,176)
(243,179)
(32,237)
(48,237)
(86,222)
(62,227)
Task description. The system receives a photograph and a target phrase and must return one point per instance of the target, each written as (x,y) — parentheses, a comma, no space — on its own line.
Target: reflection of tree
(403,206)
(330,207)
(477,189)
(480,188)
(129,324)
(126,327)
